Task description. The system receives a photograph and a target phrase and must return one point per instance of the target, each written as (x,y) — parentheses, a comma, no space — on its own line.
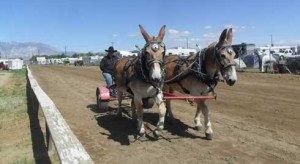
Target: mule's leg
(197,120)
(208,129)
(120,98)
(162,112)
(133,110)
(168,105)
(139,113)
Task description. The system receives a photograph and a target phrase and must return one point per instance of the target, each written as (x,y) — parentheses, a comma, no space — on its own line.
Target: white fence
(59,135)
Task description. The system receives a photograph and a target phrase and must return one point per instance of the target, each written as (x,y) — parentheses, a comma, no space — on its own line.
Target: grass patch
(15,137)
(20,130)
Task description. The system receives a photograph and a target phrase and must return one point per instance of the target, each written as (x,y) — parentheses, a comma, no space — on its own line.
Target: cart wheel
(101,104)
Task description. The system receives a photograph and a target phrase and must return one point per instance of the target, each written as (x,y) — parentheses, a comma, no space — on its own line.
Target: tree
(75,55)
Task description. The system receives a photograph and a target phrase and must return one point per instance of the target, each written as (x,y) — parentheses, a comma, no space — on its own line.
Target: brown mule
(198,75)
(143,77)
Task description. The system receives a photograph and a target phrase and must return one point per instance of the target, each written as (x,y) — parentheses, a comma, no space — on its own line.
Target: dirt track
(255,121)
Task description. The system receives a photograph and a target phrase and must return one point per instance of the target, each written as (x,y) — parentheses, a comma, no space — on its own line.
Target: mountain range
(26,49)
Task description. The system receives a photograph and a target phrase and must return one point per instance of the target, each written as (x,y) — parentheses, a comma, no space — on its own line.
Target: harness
(218,57)
(141,64)
(197,68)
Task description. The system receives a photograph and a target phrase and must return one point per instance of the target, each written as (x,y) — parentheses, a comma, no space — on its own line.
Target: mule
(198,75)
(143,78)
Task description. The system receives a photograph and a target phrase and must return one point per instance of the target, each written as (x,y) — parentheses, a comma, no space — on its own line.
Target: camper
(180,51)
(282,51)
(15,64)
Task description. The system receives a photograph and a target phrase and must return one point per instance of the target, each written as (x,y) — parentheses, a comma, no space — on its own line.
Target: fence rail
(59,135)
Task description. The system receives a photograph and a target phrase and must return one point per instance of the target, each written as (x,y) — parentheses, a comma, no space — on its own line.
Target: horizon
(93,26)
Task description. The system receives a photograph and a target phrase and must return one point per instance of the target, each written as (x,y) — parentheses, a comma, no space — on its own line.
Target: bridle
(218,56)
(155,47)
(144,63)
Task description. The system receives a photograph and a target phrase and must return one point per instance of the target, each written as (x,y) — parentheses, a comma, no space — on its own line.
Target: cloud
(186,38)
(115,35)
(175,34)
(185,33)
(287,42)
(208,27)
(237,28)
(134,34)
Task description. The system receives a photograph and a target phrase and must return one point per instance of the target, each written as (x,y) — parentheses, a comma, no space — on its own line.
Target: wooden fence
(59,136)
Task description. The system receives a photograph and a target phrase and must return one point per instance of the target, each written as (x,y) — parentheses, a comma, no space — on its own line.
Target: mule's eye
(155,47)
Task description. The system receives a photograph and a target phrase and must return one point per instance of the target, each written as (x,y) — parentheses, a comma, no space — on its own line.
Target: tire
(101,104)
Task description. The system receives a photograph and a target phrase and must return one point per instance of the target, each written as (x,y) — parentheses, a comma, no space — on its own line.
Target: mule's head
(153,53)
(225,57)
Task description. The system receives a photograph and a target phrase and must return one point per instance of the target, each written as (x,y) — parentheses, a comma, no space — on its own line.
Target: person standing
(107,67)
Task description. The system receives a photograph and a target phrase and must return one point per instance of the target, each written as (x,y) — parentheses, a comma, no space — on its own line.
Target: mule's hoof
(156,134)
(209,136)
(198,128)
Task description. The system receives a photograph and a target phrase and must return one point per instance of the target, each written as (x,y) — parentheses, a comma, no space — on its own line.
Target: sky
(94,25)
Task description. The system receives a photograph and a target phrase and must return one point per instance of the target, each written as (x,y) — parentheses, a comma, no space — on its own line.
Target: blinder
(145,61)
(218,55)
(155,46)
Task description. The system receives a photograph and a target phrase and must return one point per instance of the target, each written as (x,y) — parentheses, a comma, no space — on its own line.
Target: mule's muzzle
(230,82)
(157,80)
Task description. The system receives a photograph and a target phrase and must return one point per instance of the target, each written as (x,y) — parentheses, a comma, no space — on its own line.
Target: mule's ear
(229,36)
(223,36)
(145,34)
(162,32)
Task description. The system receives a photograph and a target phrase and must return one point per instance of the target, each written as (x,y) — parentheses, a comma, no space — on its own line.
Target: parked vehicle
(293,63)
(3,66)
(286,54)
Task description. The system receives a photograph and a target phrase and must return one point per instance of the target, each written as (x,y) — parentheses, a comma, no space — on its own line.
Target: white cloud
(185,33)
(237,28)
(287,42)
(134,34)
(207,27)
(115,35)
(175,34)
(211,36)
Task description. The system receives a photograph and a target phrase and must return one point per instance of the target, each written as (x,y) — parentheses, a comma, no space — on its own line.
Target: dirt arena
(255,121)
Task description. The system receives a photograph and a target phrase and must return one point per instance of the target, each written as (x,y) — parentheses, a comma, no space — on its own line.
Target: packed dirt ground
(255,121)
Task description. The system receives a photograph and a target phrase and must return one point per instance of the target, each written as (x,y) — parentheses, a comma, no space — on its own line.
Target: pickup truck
(286,54)
(3,66)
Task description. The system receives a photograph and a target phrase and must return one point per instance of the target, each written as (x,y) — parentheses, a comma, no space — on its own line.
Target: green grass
(18,73)
(23,161)
(15,133)
(15,137)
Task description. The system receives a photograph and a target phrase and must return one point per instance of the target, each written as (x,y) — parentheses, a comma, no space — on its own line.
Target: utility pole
(187,42)
(65,50)
(272,41)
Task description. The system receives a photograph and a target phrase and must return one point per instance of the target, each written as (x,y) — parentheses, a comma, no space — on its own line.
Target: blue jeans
(109,81)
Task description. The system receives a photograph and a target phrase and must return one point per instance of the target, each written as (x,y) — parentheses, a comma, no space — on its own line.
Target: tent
(240,64)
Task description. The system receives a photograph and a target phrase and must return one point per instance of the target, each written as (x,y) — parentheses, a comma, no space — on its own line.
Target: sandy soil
(255,121)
